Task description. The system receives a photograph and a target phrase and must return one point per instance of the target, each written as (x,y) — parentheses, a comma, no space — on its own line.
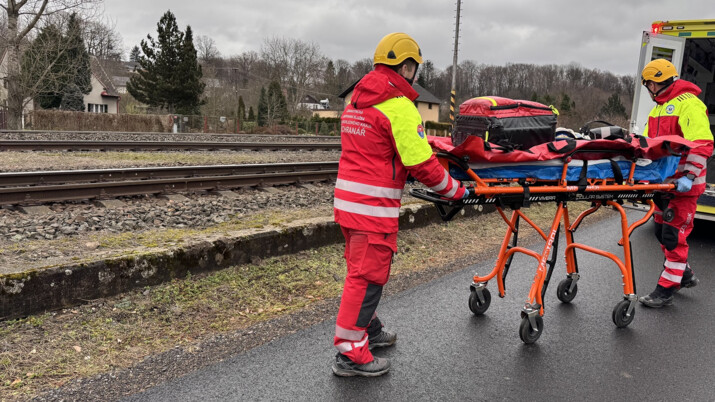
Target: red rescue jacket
(383,141)
(678,111)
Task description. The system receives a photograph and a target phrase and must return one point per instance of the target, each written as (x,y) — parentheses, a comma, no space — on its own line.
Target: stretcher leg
(567,288)
(532,323)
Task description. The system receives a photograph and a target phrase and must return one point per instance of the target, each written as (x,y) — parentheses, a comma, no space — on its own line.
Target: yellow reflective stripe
(368,210)
(367,189)
(494,103)
(405,120)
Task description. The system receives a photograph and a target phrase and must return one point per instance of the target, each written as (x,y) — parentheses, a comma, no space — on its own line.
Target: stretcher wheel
(527,334)
(562,291)
(620,317)
(476,305)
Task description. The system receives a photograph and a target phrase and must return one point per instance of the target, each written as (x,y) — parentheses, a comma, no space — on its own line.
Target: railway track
(43,145)
(31,188)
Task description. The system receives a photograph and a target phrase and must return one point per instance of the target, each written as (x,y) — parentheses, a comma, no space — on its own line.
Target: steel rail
(30,145)
(84,191)
(37,178)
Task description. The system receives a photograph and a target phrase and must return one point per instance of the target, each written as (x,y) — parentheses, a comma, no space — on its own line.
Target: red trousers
(369,257)
(672,230)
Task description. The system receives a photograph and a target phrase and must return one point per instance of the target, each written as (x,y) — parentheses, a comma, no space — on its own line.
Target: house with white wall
(104,97)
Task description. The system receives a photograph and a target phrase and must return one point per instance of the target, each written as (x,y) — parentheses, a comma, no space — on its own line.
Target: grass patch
(47,350)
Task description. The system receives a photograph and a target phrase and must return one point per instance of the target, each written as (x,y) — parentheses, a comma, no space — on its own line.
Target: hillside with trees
(581,94)
(182,73)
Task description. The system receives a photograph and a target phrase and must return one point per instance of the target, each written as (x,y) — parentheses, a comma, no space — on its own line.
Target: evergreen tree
(262,113)
(614,107)
(277,108)
(72,98)
(59,65)
(170,77)
(189,82)
(330,78)
(80,82)
(251,115)
(135,54)
(42,59)
(241,108)
(566,104)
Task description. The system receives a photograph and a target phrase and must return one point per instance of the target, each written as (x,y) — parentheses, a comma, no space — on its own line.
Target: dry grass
(45,351)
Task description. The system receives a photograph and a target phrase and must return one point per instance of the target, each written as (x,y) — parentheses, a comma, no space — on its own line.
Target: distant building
(426,103)
(29,106)
(104,97)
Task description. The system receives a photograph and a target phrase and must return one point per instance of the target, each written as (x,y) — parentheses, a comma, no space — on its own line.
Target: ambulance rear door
(653,46)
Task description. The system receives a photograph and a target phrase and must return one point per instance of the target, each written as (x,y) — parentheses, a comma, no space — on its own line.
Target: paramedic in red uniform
(678,111)
(383,141)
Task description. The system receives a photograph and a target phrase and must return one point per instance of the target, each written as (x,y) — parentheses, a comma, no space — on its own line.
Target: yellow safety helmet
(395,48)
(658,70)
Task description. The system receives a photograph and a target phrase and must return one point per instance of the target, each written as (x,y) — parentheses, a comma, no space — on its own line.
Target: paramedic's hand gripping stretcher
(603,172)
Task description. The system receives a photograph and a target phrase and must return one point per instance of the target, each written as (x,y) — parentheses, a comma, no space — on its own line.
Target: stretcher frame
(520,193)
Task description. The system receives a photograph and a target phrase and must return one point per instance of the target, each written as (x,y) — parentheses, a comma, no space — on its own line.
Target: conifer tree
(78,65)
(170,76)
(251,115)
(241,108)
(262,113)
(614,107)
(58,65)
(135,54)
(277,108)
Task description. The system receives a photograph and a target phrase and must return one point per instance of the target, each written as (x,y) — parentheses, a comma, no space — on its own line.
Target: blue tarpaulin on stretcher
(646,170)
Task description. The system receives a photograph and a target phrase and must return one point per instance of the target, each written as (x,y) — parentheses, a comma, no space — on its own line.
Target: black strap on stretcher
(449,208)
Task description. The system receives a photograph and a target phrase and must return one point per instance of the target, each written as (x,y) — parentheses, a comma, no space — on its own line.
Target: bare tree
(22,18)
(102,39)
(298,65)
(206,48)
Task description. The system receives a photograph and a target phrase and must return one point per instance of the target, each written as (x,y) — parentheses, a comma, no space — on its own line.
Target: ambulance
(690,46)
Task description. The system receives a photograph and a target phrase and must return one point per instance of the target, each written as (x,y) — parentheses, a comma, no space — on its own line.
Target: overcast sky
(601,34)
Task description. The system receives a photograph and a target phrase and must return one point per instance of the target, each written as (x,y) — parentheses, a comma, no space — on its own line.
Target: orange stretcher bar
(532,323)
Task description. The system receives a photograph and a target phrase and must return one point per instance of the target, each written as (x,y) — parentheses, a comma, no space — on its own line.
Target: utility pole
(453,96)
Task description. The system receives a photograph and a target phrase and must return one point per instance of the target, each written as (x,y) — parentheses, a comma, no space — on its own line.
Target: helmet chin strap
(655,94)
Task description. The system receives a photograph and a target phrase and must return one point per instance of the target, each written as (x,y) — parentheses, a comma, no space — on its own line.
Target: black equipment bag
(512,124)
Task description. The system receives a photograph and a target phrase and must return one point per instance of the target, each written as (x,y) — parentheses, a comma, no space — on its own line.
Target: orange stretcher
(517,194)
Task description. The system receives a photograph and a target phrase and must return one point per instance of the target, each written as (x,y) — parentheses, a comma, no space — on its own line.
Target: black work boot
(689,280)
(659,297)
(377,337)
(344,367)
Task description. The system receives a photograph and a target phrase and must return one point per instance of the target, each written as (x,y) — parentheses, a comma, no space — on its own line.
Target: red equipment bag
(513,124)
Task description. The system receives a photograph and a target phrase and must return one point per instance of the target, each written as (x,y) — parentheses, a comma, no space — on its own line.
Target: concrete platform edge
(39,290)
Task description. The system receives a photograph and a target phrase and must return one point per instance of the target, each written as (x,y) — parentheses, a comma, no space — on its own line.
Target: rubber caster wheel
(476,305)
(562,291)
(620,314)
(527,334)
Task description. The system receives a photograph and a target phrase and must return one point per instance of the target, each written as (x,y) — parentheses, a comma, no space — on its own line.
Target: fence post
(206,124)
(316,128)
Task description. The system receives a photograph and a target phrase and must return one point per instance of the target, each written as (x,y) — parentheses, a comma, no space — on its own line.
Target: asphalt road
(444,352)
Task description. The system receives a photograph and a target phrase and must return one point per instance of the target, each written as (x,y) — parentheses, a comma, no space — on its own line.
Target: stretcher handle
(447,208)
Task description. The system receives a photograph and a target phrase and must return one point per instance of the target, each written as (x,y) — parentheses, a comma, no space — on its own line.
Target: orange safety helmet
(395,48)
(658,70)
